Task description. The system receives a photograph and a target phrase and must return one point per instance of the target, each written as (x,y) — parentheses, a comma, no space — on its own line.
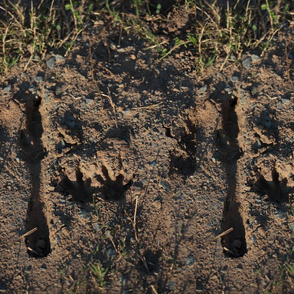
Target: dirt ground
(130,168)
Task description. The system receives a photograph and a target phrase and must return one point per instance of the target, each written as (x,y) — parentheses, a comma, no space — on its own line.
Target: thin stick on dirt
(111,103)
(153,289)
(148,106)
(135,218)
(224,233)
(28,233)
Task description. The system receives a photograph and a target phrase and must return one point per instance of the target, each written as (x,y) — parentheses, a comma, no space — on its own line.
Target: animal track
(183,160)
(113,189)
(234,242)
(149,262)
(33,152)
(276,190)
(79,190)
(82,191)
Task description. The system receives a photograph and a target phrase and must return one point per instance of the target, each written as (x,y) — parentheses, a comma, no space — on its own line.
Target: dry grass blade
(224,233)
(28,233)
(135,218)
(153,289)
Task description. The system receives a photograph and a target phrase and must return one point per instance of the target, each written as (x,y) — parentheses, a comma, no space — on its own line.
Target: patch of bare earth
(137,166)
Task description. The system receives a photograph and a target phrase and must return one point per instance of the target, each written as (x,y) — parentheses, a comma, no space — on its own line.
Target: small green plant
(77,17)
(217,32)
(284,278)
(115,15)
(272,16)
(99,272)
(27,32)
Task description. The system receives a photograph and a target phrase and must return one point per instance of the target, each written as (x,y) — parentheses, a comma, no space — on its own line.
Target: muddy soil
(165,180)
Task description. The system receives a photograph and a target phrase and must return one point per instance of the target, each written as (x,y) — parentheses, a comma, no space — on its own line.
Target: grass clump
(283,280)
(30,30)
(214,29)
(226,31)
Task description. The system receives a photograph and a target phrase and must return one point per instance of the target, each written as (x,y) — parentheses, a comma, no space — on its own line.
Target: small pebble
(61,144)
(119,115)
(254,90)
(43,266)
(85,214)
(190,260)
(51,62)
(247,63)
(203,89)
(88,101)
(110,252)
(7,89)
(165,185)
(171,285)
(59,58)
(285,101)
(58,90)
(237,244)
(234,79)
(41,244)
(255,58)
(127,111)
(96,227)
(32,89)
(157,204)
(38,79)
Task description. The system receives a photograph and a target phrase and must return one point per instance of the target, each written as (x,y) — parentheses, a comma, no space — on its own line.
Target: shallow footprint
(113,189)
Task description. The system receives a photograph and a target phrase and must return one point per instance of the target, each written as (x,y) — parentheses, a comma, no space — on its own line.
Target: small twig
(225,233)
(76,98)
(111,103)
(235,154)
(28,233)
(34,251)
(228,250)
(38,154)
(148,106)
(272,98)
(145,263)
(135,219)
(153,289)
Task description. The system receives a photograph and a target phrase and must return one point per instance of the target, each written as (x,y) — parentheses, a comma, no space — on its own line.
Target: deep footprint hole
(149,262)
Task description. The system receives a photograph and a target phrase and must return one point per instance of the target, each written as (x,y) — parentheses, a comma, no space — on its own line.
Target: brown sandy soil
(133,167)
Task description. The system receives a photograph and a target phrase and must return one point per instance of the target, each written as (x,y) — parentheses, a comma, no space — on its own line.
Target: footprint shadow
(113,189)
(80,190)
(229,152)
(33,152)
(183,159)
(276,190)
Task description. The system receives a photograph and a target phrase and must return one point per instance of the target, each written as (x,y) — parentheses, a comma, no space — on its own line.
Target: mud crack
(229,152)
(33,152)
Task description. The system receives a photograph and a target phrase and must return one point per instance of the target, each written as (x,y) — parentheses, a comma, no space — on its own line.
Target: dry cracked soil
(121,173)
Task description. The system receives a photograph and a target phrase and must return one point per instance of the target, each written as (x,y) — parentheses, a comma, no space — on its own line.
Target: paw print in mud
(80,190)
(113,189)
